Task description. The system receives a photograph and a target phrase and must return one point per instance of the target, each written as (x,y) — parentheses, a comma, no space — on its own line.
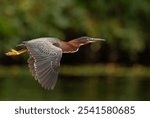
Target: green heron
(45,55)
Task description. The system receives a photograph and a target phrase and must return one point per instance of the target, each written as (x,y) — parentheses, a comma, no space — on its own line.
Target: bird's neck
(70,47)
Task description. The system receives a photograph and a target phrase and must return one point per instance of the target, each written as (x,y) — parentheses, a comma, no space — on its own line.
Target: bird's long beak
(95,39)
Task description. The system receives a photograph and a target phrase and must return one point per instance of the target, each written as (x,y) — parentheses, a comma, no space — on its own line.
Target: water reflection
(24,87)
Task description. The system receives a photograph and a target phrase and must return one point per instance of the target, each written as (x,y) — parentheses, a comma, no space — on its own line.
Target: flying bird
(45,55)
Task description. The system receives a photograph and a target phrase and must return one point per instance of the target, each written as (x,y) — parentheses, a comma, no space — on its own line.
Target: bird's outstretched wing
(44,62)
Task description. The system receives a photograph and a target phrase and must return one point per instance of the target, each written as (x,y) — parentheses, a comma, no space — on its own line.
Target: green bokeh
(121,70)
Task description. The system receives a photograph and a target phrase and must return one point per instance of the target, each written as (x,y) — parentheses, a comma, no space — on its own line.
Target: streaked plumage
(44,60)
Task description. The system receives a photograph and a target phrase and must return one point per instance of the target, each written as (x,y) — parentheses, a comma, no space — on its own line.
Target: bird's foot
(15,52)
(12,53)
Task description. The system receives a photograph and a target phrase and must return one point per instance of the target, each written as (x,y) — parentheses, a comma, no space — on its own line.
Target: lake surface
(22,86)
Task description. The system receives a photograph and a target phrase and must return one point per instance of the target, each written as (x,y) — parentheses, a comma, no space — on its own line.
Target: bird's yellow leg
(15,52)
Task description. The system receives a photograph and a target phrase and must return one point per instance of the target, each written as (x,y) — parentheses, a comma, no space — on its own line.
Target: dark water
(24,87)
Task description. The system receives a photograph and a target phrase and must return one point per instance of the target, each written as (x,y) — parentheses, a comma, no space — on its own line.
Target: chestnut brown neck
(70,47)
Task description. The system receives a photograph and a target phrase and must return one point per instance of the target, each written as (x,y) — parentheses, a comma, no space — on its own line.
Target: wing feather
(44,62)
(31,66)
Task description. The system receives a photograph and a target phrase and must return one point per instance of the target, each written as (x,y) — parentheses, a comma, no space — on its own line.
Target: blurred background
(117,69)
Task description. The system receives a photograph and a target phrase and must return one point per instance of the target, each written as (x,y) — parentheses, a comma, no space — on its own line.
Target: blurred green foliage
(125,24)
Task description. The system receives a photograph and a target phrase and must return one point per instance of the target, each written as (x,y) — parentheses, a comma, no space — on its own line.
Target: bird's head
(85,40)
(73,45)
